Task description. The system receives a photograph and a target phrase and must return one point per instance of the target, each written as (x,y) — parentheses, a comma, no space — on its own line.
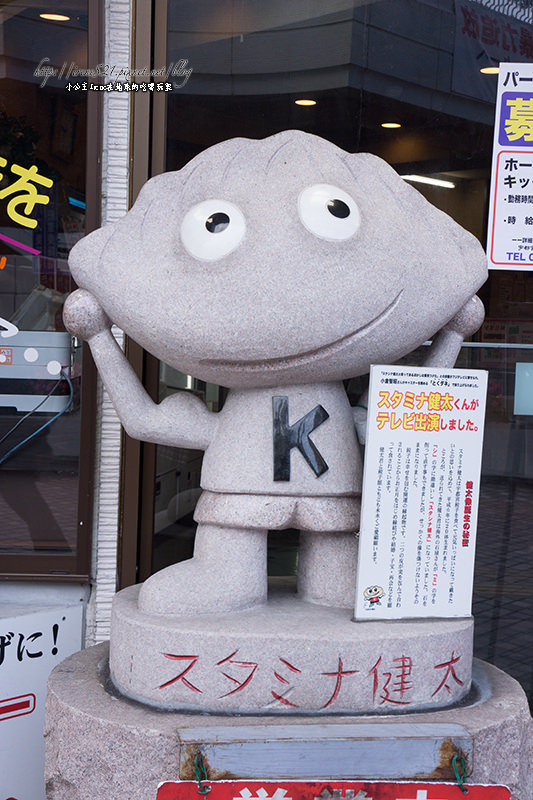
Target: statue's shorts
(276,512)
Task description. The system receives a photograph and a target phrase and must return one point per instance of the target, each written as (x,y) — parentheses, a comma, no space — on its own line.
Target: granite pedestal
(287,657)
(107,747)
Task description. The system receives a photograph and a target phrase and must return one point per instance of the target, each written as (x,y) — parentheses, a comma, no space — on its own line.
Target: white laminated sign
(33,640)
(510,233)
(420,492)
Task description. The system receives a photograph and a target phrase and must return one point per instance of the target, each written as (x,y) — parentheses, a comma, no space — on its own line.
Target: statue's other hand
(468,319)
(84,316)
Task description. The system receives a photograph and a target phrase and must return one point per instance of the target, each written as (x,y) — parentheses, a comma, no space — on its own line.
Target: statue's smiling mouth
(300,359)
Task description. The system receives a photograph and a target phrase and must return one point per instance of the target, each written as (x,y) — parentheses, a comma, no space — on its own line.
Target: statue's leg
(326,568)
(227,573)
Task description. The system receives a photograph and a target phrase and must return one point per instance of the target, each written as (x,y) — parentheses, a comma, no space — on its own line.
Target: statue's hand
(84,316)
(468,319)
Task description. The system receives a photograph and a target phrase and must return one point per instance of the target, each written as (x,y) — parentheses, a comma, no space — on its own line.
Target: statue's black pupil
(338,208)
(217,223)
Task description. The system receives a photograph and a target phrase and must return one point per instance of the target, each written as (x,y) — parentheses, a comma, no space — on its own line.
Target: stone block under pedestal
(107,747)
(287,657)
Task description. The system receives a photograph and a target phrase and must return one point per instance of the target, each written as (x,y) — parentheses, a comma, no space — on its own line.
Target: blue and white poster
(510,231)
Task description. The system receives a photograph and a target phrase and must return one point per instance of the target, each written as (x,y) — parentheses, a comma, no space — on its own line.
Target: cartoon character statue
(373,595)
(277,268)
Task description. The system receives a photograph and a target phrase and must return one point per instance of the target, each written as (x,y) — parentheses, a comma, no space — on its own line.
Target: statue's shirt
(286,440)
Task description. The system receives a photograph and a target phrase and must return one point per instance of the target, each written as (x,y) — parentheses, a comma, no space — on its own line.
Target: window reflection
(42,214)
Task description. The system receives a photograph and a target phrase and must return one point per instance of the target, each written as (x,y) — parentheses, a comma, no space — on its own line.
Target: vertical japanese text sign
(420,492)
(510,233)
(32,643)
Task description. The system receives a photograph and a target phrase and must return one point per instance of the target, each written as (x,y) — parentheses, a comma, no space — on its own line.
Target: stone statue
(277,268)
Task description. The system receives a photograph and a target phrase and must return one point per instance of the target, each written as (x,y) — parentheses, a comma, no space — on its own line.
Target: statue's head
(280,260)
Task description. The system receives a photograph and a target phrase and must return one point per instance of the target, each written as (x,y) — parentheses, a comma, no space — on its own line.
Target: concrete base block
(287,657)
(107,747)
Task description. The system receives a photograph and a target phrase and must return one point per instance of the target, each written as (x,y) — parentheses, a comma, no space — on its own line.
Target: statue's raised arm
(181,420)
(448,341)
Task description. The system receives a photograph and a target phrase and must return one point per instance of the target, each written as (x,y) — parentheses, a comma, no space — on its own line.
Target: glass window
(42,214)
(401,79)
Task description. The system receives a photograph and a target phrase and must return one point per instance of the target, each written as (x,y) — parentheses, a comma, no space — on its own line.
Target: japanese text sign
(485,34)
(420,492)
(23,193)
(322,790)
(32,643)
(510,235)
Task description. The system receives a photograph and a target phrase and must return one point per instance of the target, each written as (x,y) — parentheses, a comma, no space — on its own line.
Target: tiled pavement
(39,483)
(37,511)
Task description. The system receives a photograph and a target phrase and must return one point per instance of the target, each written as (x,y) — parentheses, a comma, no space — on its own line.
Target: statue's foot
(227,573)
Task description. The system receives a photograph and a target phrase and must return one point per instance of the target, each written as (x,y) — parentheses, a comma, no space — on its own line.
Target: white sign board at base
(32,642)
(420,492)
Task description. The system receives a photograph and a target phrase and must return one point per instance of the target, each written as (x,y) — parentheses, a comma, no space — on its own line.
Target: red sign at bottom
(328,790)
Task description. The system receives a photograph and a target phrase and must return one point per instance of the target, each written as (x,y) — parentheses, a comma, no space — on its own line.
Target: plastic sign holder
(420,492)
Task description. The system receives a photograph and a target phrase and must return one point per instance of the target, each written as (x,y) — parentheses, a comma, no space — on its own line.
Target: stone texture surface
(108,748)
(334,586)
(278,309)
(288,265)
(286,657)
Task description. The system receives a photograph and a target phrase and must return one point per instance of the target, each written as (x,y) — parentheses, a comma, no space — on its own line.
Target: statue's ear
(428,225)
(373,172)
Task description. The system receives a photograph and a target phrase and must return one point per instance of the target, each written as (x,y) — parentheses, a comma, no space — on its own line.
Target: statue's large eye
(328,212)
(212,229)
